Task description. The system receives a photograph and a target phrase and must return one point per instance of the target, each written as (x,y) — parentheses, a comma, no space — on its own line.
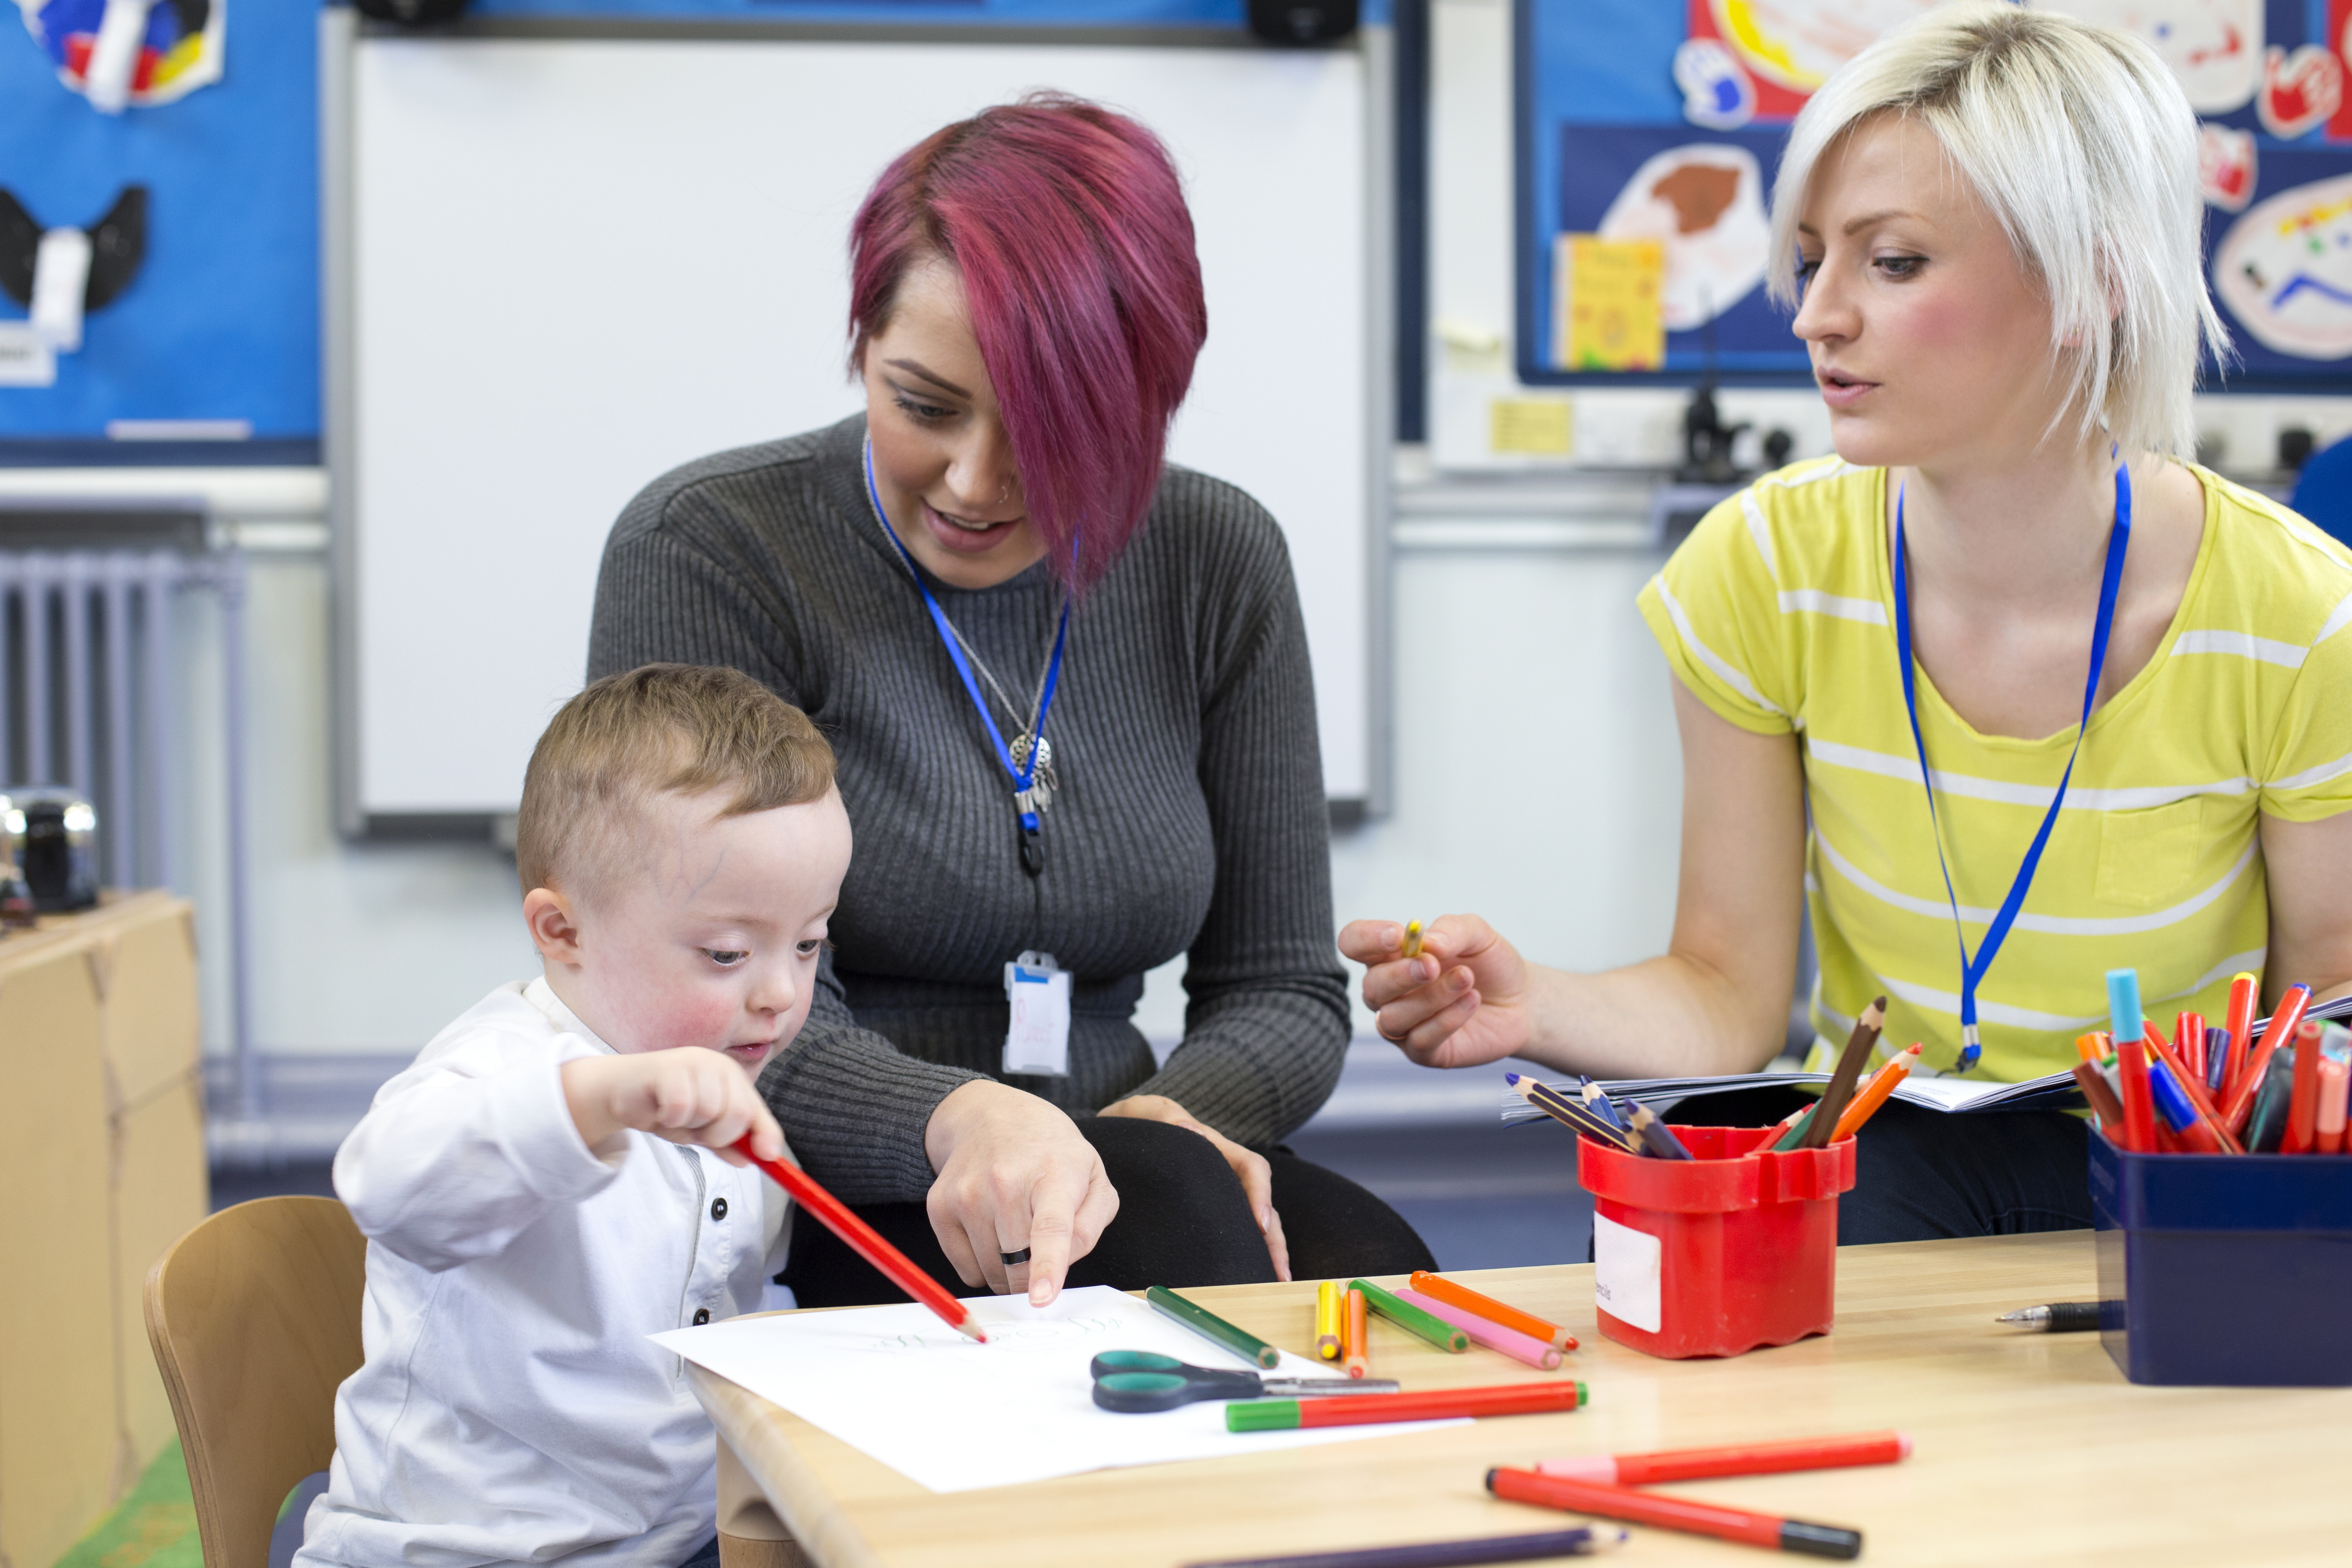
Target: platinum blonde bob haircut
(2083,145)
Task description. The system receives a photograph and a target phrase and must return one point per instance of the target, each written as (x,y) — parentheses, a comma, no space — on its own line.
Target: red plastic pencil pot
(1719,1255)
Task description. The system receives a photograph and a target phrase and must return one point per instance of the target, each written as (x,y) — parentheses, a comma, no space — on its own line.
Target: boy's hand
(688,1095)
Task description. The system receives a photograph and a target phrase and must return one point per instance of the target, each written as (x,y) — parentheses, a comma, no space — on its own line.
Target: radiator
(88,699)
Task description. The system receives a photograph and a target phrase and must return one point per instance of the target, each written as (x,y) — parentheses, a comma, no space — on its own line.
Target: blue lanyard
(1024,776)
(1972,971)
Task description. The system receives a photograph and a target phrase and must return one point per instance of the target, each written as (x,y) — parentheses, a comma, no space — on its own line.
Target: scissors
(1138,1381)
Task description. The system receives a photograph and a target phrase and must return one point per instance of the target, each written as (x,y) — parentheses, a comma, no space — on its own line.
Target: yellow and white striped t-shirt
(1776,613)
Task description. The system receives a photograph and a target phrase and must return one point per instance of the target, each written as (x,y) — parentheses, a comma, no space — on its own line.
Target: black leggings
(1922,1174)
(1182,1220)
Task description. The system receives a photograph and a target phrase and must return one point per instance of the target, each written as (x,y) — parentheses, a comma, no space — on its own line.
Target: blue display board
(222,321)
(1664,120)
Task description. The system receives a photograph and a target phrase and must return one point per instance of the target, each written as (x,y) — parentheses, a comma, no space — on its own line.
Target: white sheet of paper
(903,1387)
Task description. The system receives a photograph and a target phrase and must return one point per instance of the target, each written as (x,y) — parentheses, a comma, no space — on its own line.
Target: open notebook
(2058,1092)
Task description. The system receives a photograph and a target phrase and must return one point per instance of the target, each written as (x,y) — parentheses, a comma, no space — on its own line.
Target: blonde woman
(2128,681)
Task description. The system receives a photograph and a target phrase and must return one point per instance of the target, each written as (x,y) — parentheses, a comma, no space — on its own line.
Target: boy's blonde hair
(659,729)
(2081,141)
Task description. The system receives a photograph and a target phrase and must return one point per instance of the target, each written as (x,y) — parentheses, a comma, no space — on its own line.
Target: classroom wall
(1536,779)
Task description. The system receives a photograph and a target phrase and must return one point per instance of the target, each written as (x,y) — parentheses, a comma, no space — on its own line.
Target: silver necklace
(1045,783)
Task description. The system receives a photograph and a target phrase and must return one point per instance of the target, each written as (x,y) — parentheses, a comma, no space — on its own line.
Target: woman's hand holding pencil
(1459,1001)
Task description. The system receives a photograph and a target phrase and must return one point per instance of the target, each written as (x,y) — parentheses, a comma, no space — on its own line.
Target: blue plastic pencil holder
(2230,1271)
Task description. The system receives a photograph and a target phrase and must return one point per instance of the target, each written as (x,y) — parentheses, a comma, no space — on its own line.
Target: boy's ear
(554,929)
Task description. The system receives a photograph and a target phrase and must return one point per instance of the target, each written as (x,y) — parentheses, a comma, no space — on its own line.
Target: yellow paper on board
(1531,427)
(1610,313)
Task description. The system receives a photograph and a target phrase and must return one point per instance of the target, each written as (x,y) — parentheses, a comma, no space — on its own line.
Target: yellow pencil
(1328,1310)
(1413,939)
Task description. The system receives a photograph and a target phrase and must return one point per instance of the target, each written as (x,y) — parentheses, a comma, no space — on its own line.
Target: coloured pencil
(1412,1319)
(1541,1355)
(1735,1459)
(1431,1405)
(864,1240)
(1875,1093)
(1657,1138)
(1600,1102)
(1413,939)
(1581,1542)
(1823,1121)
(1355,1334)
(1574,1113)
(1329,1309)
(1493,1311)
(1210,1326)
(1675,1513)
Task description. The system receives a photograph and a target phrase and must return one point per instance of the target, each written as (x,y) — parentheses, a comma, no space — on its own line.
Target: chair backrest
(255,1319)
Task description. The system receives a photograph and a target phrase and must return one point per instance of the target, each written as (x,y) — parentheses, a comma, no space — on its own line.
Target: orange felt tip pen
(2245,995)
(2334,1080)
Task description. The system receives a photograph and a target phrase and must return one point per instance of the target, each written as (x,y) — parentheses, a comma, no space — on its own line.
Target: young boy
(551,1182)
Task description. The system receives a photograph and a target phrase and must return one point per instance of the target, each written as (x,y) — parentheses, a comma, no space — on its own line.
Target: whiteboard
(573,263)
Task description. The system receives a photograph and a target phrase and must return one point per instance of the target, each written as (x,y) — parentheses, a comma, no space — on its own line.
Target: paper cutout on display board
(1795,45)
(1704,204)
(2284,270)
(2301,92)
(2226,166)
(2214,47)
(119,53)
(1716,94)
(1609,294)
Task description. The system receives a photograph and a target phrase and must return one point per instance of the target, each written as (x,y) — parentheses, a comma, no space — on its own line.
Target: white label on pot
(1626,1266)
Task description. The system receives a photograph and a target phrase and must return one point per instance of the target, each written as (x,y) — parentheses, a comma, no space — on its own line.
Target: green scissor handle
(1134,1382)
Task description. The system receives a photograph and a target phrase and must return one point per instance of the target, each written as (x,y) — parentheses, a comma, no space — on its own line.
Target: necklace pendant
(1042,785)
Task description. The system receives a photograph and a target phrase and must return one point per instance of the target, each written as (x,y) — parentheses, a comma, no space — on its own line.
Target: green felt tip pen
(1208,1325)
(1412,1319)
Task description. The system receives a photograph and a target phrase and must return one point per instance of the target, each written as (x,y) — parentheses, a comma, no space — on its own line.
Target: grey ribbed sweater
(1190,815)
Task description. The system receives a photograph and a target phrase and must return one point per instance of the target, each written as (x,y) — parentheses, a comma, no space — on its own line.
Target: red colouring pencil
(2139,1107)
(2208,1134)
(2245,995)
(1493,1311)
(1675,1513)
(2303,1103)
(1739,1459)
(1355,1335)
(2281,1030)
(1431,1405)
(864,1241)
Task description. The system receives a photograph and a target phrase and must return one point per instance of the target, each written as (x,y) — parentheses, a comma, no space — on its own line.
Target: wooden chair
(255,1319)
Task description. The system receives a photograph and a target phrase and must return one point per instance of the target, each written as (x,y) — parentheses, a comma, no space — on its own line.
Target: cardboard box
(103,1168)
(59,1426)
(160,1192)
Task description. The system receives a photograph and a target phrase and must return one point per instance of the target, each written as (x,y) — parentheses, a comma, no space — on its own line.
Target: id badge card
(1039,1039)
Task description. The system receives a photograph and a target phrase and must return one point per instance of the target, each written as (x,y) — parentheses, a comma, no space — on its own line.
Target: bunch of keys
(1040,793)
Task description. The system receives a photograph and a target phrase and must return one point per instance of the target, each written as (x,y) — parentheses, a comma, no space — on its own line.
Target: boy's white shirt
(510,1407)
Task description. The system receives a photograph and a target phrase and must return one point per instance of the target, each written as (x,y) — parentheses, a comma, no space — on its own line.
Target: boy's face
(710,937)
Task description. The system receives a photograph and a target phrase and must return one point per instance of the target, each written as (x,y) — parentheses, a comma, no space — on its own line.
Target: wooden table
(2031,1448)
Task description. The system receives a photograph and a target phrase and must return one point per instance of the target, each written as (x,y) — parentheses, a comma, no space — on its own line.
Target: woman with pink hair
(1068,685)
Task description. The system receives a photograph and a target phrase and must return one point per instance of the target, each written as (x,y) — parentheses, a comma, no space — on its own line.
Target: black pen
(2058,1318)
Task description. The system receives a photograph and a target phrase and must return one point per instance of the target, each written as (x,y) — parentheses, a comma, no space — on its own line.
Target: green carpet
(155,1527)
